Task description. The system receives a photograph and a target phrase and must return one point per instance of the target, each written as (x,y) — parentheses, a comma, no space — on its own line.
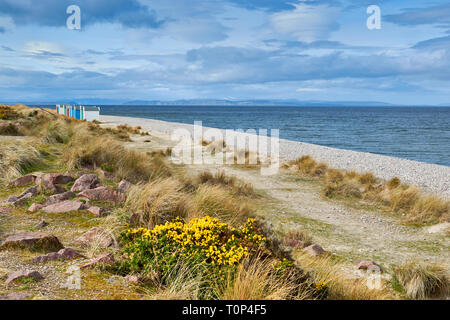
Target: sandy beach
(429,177)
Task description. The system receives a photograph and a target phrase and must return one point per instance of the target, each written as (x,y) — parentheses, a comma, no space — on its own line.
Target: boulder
(59,197)
(49,179)
(23,181)
(4,210)
(64,254)
(36,241)
(85,182)
(314,250)
(35,207)
(16,275)
(65,206)
(98,211)
(124,186)
(104,259)
(103,194)
(96,236)
(16,296)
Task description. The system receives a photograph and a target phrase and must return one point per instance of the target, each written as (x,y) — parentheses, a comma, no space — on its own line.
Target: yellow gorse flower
(217,240)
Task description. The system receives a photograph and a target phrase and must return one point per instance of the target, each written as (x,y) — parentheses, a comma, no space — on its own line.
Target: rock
(36,241)
(64,206)
(314,250)
(368,265)
(16,275)
(96,236)
(32,190)
(11,199)
(98,211)
(104,259)
(23,181)
(124,186)
(65,254)
(52,182)
(16,296)
(35,207)
(103,194)
(20,201)
(4,210)
(59,197)
(86,182)
(41,225)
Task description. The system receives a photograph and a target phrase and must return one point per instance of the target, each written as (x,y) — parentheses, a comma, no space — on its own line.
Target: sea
(415,133)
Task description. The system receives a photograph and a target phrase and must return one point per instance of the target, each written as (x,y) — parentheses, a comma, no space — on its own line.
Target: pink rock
(52,181)
(123,186)
(23,181)
(65,254)
(99,212)
(64,206)
(4,210)
(102,194)
(16,275)
(86,182)
(59,197)
(368,265)
(105,259)
(314,250)
(32,190)
(32,240)
(96,236)
(35,207)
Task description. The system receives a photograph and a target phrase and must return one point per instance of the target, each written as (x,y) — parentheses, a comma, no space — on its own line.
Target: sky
(225,49)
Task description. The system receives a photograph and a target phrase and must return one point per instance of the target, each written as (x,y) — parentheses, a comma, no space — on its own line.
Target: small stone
(32,190)
(59,197)
(85,182)
(36,241)
(12,199)
(96,236)
(23,181)
(98,211)
(366,264)
(105,259)
(124,186)
(65,254)
(41,225)
(314,250)
(102,194)
(64,206)
(20,201)
(16,275)
(35,207)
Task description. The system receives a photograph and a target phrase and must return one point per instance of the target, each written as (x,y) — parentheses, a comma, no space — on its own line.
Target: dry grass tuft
(422,281)
(416,208)
(16,158)
(255,279)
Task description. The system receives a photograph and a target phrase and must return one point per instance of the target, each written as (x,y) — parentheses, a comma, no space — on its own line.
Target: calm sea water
(421,134)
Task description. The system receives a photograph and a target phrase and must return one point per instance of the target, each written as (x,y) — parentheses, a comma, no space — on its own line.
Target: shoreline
(432,178)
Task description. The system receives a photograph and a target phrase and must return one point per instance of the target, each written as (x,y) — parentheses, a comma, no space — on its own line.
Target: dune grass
(420,281)
(415,207)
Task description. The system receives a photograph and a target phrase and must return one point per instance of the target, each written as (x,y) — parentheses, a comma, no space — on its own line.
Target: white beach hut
(91,113)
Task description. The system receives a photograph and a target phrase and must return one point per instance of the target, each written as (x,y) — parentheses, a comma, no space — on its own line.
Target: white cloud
(306,22)
(308,90)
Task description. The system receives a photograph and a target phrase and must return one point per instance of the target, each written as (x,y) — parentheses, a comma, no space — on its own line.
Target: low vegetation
(409,202)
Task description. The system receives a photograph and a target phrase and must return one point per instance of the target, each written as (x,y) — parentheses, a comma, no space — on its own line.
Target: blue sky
(225,49)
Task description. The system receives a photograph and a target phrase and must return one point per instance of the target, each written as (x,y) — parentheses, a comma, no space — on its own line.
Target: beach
(431,178)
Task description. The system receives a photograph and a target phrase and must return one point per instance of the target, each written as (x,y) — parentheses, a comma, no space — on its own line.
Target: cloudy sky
(225,49)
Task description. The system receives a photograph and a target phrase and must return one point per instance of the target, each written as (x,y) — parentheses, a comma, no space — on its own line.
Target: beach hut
(91,113)
(76,113)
